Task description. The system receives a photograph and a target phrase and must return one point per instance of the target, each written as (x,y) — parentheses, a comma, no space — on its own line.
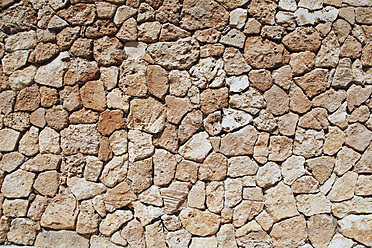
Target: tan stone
(315,119)
(83,189)
(280,148)
(214,167)
(23,231)
(328,54)
(172,223)
(357,227)
(60,238)
(261,148)
(67,36)
(88,220)
(196,148)
(37,207)
(174,196)
(114,221)
(114,171)
(146,214)
(170,32)
(358,137)
(140,145)
(346,158)
(133,233)
(351,48)
(70,98)
(344,187)
(176,108)
(314,82)
(42,162)
(80,138)
(334,141)
(164,167)
(187,171)
(321,167)
(155,236)
(233,192)
(241,166)
(47,183)
(357,205)
(268,175)
(213,99)
(118,197)
(261,53)
(299,102)
(303,39)
(301,62)
(61,213)
(110,121)
(81,71)
(308,143)
(280,202)
(13,61)
(19,121)
(290,232)
(28,99)
(263,11)
(18,184)
(245,211)
(313,204)
(213,123)
(234,62)
(11,161)
(196,196)
(190,124)
(264,220)
(49,141)
(15,207)
(147,115)
(48,96)
(140,175)
(250,101)
(201,223)
(108,51)
(128,30)
(215,196)
(167,139)
(356,95)
(363,185)
(57,117)
(305,184)
(151,196)
(262,81)
(265,121)
(93,95)
(240,142)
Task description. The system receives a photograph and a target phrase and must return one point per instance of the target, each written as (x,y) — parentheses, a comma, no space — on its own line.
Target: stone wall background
(195,123)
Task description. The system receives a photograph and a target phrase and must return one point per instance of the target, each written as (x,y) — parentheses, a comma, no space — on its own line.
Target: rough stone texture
(80,138)
(357,227)
(201,223)
(290,232)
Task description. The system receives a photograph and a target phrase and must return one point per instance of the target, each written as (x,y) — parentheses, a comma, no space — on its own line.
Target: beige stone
(28,145)
(214,167)
(15,207)
(196,196)
(98,241)
(140,145)
(245,211)
(362,186)
(209,35)
(108,51)
(119,196)
(215,196)
(80,138)
(265,121)
(315,119)
(321,229)
(47,183)
(174,196)
(155,236)
(110,120)
(314,82)
(321,167)
(201,223)
(83,189)
(280,148)
(13,61)
(164,167)
(233,191)
(61,238)
(81,71)
(18,184)
(114,171)
(262,81)
(346,158)
(37,207)
(93,95)
(261,148)
(358,137)
(119,142)
(356,227)
(313,204)
(301,62)
(172,222)
(344,187)
(293,168)
(57,117)
(339,240)
(11,161)
(263,11)
(147,115)
(241,166)
(303,39)
(357,205)
(133,233)
(251,101)
(167,139)
(234,62)
(351,48)
(10,139)
(146,214)
(114,221)
(23,231)
(140,175)
(176,108)
(187,171)
(170,32)
(42,162)
(151,196)
(240,142)
(308,143)
(61,213)
(290,232)
(280,202)
(88,220)
(70,97)
(197,148)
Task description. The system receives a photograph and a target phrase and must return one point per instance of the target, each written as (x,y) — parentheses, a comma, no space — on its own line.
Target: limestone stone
(18,184)
(252,234)
(21,41)
(321,228)
(83,189)
(179,83)
(93,95)
(79,14)
(178,239)
(361,114)
(305,184)
(151,196)
(233,38)
(73,165)
(133,233)
(174,196)
(234,119)
(356,95)
(339,240)
(149,31)
(250,101)
(67,36)
(19,121)
(114,221)
(344,187)
(265,121)
(290,232)
(61,213)
(346,158)
(268,175)
(232,4)
(315,119)
(81,71)
(206,20)
(240,142)
(105,10)
(61,238)
(176,108)
(47,183)
(201,223)
(23,231)
(49,141)
(280,202)
(42,162)
(362,186)
(109,76)
(123,13)
(356,227)
(213,123)
(7,101)
(88,220)
(117,239)
(215,196)
(196,196)
(233,192)
(15,207)
(133,77)
(212,50)
(22,78)
(313,204)
(187,171)
(155,235)
(164,167)
(28,145)
(114,171)
(241,166)
(234,62)
(334,141)
(303,39)
(147,115)
(299,102)
(52,73)
(11,161)
(263,11)
(43,52)
(308,143)
(261,80)
(357,205)
(168,139)
(329,52)
(237,84)
(196,148)
(321,167)
(210,242)
(98,241)
(261,148)
(358,137)
(92,168)
(48,96)
(261,53)
(146,214)
(287,124)
(108,51)
(170,32)
(140,175)
(252,26)
(119,196)
(140,145)
(37,207)
(172,222)
(293,168)
(245,211)
(98,29)
(13,61)
(128,30)
(80,138)
(57,117)
(180,54)
(110,121)
(301,62)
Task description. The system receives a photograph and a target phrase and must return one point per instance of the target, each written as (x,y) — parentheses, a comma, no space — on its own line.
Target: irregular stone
(93,95)
(133,77)
(252,234)
(176,108)
(140,145)
(240,142)
(190,124)
(265,121)
(157,81)
(356,227)
(84,116)
(164,167)
(66,37)
(261,53)
(18,184)
(11,161)
(79,14)
(283,77)
(98,242)
(151,196)
(88,220)
(73,165)
(115,171)
(146,214)
(241,166)
(313,204)
(13,61)
(61,238)
(180,238)
(215,196)
(20,79)
(172,223)
(42,162)
(362,187)
(133,233)
(268,175)
(15,207)
(280,202)
(37,207)
(263,11)
(245,211)
(357,205)
(187,171)
(250,101)
(305,184)
(344,74)
(261,148)
(28,145)
(128,30)
(48,96)
(260,79)
(329,52)
(346,158)
(233,192)
(356,95)
(81,71)
(180,54)
(290,232)
(196,148)
(196,196)
(114,221)
(7,101)
(82,138)
(51,74)
(118,197)
(301,62)
(213,123)
(233,38)
(23,231)
(358,137)
(109,77)
(287,124)
(108,51)
(344,187)
(110,121)
(100,28)
(61,213)
(209,35)
(83,189)
(57,117)
(340,241)
(234,119)
(315,119)
(201,223)
(234,62)
(174,196)
(321,167)
(47,183)
(303,39)
(147,115)
(149,31)
(19,121)
(140,175)
(155,235)
(167,139)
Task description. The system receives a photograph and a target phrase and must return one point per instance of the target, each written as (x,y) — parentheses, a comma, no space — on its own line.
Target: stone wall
(194,123)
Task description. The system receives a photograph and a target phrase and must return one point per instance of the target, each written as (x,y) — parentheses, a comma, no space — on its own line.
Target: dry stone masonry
(194,123)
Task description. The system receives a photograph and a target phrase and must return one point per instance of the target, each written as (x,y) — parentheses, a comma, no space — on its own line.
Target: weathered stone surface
(358,137)
(303,39)
(301,62)
(344,187)
(293,168)
(133,233)
(118,197)
(140,145)
(114,221)
(20,79)
(23,231)
(19,121)
(164,167)
(240,142)
(196,148)
(313,204)
(263,11)
(7,101)
(83,189)
(13,61)
(42,162)
(321,228)
(280,202)
(114,171)
(81,71)
(174,196)
(61,238)
(235,63)
(88,220)
(265,121)
(52,74)
(82,138)
(290,232)
(108,51)
(11,161)
(110,121)
(357,227)
(61,213)
(261,53)
(57,117)
(251,101)
(49,140)
(340,241)
(47,183)
(245,211)
(79,14)
(140,175)
(308,143)
(201,223)
(362,186)
(18,184)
